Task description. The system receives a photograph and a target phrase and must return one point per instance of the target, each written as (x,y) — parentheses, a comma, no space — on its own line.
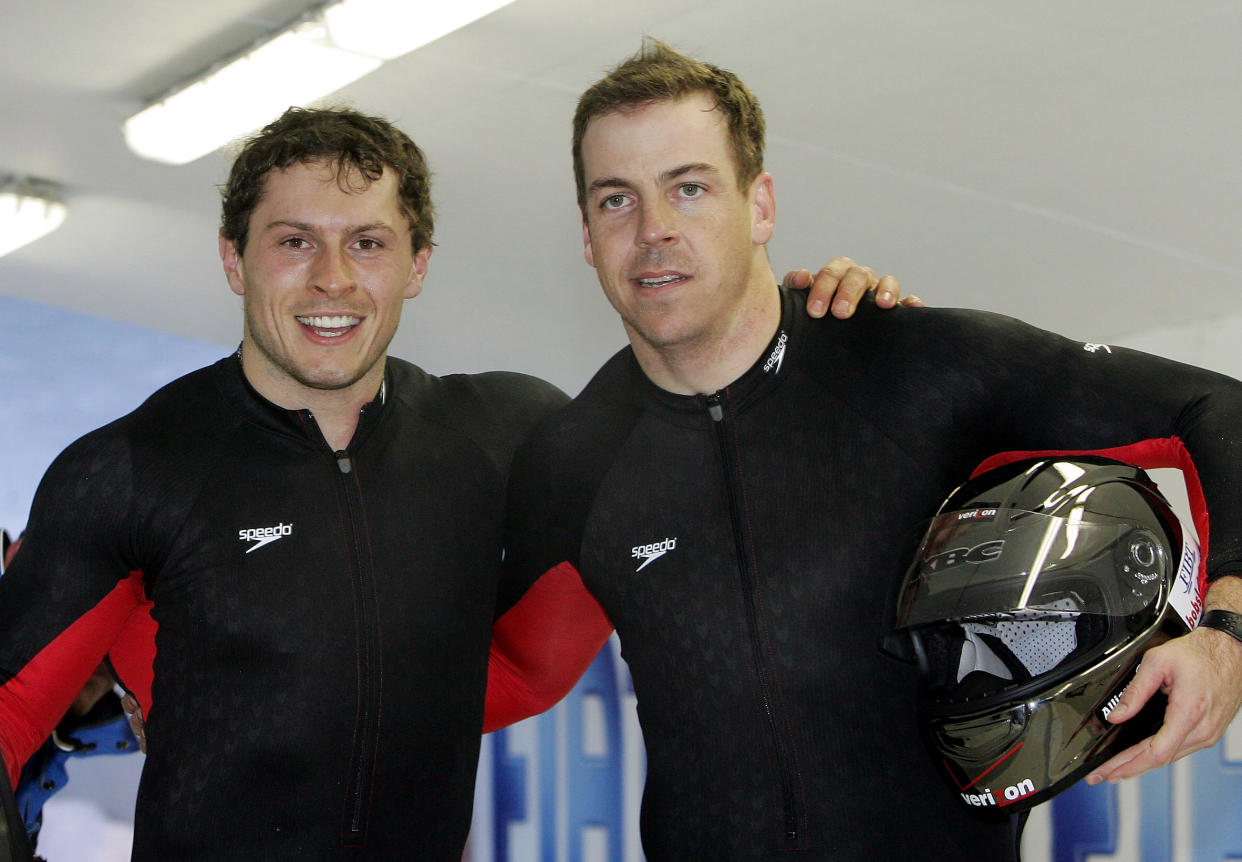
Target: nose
(332,274)
(656,226)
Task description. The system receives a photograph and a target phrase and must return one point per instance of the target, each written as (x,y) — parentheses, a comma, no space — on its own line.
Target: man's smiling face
(327,266)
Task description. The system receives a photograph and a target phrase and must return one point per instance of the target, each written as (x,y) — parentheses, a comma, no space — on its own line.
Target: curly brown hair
(351,140)
(657,73)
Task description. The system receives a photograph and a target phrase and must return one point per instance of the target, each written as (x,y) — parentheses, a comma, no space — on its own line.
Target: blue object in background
(1084,821)
(1216,787)
(65,374)
(590,760)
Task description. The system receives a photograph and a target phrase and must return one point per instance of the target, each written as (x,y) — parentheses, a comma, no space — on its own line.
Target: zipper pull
(714,408)
(343,462)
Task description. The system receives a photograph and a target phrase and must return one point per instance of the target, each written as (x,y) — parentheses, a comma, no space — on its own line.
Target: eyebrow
(310,228)
(664,177)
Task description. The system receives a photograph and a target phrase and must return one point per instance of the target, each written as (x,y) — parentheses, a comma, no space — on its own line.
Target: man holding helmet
(704,490)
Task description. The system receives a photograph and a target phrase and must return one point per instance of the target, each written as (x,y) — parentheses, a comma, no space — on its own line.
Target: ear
(418,272)
(762,208)
(587,252)
(233,269)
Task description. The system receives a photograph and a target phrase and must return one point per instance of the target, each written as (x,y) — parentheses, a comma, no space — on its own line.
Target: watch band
(1225,621)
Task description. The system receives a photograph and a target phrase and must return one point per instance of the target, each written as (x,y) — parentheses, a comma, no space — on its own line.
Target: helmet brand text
(1013,793)
(980,553)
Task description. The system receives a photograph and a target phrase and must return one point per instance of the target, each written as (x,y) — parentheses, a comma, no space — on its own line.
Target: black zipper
(362,753)
(717,404)
(366,729)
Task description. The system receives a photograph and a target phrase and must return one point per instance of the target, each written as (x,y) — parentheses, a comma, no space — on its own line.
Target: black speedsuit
(323,617)
(744,544)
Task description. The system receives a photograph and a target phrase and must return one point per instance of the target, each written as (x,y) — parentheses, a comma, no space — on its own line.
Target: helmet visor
(995,562)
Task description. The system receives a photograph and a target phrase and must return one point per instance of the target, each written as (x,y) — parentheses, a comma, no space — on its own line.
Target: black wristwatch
(1225,621)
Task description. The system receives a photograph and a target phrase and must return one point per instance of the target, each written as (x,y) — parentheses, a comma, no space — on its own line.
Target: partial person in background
(94,725)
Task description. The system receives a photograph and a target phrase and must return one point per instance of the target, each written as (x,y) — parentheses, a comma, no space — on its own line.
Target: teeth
(664,279)
(339,321)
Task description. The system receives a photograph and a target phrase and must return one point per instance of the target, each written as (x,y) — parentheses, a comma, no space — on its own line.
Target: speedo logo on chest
(264,535)
(650,553)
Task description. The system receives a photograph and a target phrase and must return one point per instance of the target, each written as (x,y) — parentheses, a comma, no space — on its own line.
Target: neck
(338,419)
(714,359)
(336,411)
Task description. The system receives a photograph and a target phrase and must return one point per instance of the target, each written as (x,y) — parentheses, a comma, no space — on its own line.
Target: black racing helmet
(1034,593)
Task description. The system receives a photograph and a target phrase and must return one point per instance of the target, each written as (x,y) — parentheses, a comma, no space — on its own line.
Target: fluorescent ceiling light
(390,28)
(29,209)
(315,55)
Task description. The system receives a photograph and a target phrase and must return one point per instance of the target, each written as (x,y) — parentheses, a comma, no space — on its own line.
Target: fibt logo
(652,552)
(264,535)
(1186,597)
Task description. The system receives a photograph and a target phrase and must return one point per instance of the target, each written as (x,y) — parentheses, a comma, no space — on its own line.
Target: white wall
(1215,344)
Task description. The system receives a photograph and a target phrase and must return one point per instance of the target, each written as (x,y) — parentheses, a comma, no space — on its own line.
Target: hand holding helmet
(1201,675)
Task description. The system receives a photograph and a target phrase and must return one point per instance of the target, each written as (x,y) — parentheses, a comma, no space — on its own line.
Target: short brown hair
(352,141)
(657,73)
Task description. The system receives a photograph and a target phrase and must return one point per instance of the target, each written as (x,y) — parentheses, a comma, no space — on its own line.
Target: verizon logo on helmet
(652,552)
(264,535)
(1013,793)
